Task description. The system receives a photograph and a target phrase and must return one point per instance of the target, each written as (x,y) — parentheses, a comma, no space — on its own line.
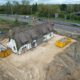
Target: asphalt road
(67,26)
(21,18)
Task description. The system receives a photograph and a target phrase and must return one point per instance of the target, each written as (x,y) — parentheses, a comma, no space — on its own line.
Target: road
(21,18)
(59,25)
(73,30)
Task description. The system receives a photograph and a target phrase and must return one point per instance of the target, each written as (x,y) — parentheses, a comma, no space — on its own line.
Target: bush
(61,15)
(68,16)
(75,17)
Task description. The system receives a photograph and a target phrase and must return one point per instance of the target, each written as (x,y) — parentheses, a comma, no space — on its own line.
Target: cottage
(24,39)
(46,30)
(34,36)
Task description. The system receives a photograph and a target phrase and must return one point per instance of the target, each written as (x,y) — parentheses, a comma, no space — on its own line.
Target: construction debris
(63,42)
(4,52)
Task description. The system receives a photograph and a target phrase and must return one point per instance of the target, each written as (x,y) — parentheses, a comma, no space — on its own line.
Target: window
(50,34)
(14,48)
(26,42)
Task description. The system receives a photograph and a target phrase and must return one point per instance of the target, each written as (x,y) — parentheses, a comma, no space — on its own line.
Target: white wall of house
(48,36)
(27,46)
(12,45)
(52,34)
(35,41)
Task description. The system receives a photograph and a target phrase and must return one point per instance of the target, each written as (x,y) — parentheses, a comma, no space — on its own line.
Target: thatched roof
(22,37)
(26,34)
(33,33)
(50,27)
(45,28)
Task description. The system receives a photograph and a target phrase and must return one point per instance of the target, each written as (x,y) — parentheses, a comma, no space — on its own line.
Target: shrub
(75,17)
(68,16)
(61,15)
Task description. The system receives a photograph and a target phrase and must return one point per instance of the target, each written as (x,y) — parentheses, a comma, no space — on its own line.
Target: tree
(76,7)
(70,8)
(48,10)
(8,7)
(16,7)
(34,8)
(63,7)
(25,2)
(25,7)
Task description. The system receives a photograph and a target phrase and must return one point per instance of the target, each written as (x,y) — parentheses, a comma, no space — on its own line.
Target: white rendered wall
(27,46)
(48,36)
(12,45)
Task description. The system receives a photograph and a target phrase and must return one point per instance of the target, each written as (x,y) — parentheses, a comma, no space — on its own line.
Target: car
(27,16)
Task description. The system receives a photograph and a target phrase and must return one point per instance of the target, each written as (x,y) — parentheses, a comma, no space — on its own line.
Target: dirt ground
(4,26)
(32,64)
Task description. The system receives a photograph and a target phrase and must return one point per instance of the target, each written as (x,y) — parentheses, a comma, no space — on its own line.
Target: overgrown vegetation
(78,38)
(43,10)
(2,21)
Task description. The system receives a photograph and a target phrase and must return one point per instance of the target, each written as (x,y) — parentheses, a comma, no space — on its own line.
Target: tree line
(42,10)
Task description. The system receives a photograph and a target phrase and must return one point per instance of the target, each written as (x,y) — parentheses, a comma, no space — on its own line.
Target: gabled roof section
(24,35)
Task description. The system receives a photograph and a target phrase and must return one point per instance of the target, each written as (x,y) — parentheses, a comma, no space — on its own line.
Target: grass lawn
(73,21)
(2,21)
